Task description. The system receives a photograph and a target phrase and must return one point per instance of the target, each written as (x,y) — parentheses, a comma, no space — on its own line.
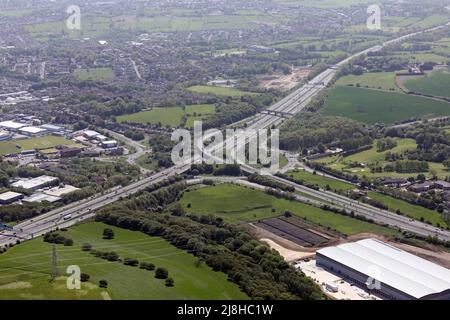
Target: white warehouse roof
(9,195)
(32,130)
(396,268)
(34,183)
(11,125)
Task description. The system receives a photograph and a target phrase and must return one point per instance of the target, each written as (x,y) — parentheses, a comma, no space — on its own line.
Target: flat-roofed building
(11,125)
(41,197)
(4,135)
(52,128)
(36,183)
(10,197)
(32,131)
(393,273)
(60,191)
(109,144)
(90,134)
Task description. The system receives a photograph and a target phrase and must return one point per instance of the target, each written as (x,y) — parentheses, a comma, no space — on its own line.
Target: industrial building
(35,183)
(10,197)
(52,128)
(32,131)
(4,135)
(397,275)
(11,125)
(109,144)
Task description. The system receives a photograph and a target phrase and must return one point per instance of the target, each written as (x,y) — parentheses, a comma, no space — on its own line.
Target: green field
(40,143)
(319,180)
(170,116)
(410,210)
(435,84)
(220,91)
(94,74)
(25,269)
(240,204)
(375,80)
(373,106)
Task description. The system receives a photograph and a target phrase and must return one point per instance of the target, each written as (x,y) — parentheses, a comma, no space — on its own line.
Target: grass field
(220,91)
(372,106)
(170,116)
(435,84)
(375,80)
(25,269)
(319,180)
(410,210)
(94,74)
(240,204)
(40,143)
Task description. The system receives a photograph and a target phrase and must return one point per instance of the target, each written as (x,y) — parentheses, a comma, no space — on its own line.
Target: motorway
(292,104)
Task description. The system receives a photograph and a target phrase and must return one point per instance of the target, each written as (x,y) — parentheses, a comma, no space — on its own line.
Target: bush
(68,242)
(108,234)
(170,282)
(161,273)
(86,247)
(84,277)
(131,262)
(103,283)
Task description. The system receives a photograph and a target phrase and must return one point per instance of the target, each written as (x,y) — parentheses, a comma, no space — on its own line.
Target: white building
(41,197)
(90,134)
(390,272)
(4,135)
(11,125)
(35,183)
(32,131)
(10,197)
(109,144)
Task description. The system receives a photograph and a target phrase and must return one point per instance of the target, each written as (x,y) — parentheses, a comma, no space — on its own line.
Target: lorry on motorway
(67,217)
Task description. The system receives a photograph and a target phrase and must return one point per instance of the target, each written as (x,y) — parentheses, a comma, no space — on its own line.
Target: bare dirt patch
(285,82)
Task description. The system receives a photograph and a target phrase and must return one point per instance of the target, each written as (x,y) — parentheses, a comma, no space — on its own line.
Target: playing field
(25,269)
(94,74)
(375,80)
(40,143)
(237,203)
(170,116)
(220,91)
(435,84)
(372,106)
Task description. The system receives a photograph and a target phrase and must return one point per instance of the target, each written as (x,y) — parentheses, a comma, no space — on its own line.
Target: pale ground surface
(345,290)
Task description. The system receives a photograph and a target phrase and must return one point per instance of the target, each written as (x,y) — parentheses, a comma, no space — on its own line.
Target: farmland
(40,143)
(170,116)
(26,268)
(435,84)
(372,106)
(220,91)
(376,80)
(247,205)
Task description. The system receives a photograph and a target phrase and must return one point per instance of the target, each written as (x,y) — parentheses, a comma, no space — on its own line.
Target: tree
(103,283)
(161,273)
(108,234)
(68,242)
(170,282)
(84,277)
(86,247)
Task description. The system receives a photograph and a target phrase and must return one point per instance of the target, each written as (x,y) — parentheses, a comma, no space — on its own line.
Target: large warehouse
(400,275)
